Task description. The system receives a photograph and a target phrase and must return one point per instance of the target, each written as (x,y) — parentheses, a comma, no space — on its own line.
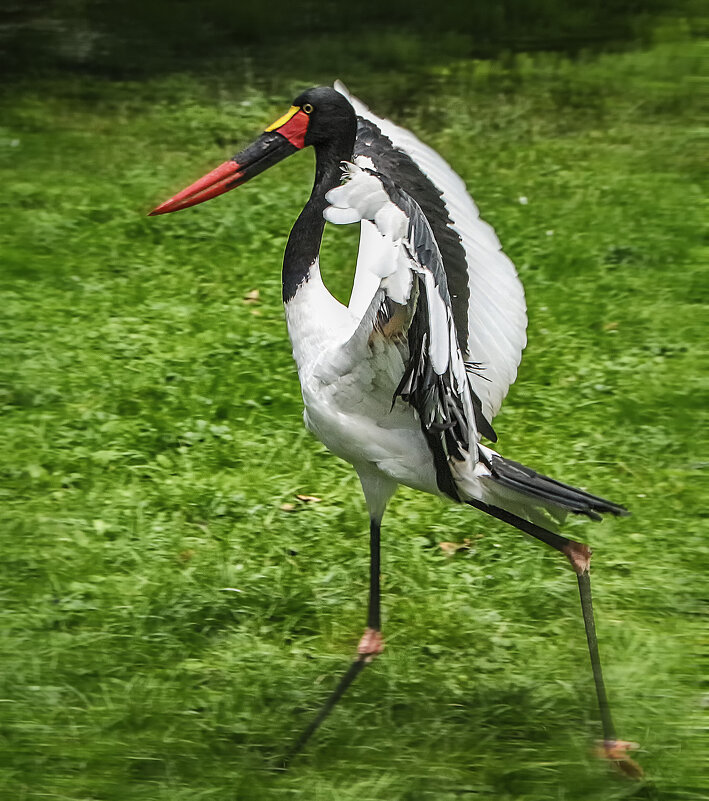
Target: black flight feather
(523,479)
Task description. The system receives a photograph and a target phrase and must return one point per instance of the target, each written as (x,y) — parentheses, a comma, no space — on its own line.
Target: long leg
(579,555)
(370,646)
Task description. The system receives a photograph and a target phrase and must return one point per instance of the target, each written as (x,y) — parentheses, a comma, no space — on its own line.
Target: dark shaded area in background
(135,37)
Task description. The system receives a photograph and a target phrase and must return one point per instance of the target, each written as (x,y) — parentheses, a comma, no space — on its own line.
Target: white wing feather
(363,194)
(497,311)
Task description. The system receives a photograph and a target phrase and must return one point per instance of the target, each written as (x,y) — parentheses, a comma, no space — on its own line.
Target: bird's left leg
(370,646)
(372,642)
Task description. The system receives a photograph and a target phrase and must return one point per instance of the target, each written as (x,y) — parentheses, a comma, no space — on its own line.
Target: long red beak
(285,136)
(225,177)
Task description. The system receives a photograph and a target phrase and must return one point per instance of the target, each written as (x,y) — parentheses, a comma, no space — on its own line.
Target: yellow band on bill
(284,119)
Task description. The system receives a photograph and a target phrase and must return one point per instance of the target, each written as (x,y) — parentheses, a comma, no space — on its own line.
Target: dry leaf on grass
(293,507)
(254,296)
(451,548)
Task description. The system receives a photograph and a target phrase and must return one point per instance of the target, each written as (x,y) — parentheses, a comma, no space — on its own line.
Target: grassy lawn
(172,615)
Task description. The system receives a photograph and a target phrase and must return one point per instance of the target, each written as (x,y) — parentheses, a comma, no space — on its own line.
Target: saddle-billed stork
(405,380)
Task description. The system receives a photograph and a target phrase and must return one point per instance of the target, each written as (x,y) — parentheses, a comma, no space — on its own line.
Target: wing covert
(414,302)
(487,299)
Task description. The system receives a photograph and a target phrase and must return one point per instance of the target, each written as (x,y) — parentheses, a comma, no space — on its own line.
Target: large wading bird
(405,381)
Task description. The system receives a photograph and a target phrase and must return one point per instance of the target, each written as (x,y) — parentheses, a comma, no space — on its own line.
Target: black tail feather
(519,478)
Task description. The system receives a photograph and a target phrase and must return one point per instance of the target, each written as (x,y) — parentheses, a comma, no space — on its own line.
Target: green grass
(152,430)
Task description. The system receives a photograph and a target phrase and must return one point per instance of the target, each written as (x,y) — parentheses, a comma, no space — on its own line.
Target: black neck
(306,235)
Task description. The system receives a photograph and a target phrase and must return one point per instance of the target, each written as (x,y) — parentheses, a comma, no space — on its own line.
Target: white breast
(348,395)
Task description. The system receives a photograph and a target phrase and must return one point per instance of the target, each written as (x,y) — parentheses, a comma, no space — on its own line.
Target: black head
(320,116)
(331,115)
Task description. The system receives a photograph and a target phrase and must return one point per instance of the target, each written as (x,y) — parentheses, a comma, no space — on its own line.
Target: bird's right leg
(579,555)
(370,646)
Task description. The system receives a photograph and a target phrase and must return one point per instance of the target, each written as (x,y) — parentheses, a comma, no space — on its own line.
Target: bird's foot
(371,645)
(616,751)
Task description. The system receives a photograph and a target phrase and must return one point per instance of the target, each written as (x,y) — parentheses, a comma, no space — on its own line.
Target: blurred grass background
(171,613)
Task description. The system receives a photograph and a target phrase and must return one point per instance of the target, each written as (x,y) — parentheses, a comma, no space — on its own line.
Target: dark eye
(307,108)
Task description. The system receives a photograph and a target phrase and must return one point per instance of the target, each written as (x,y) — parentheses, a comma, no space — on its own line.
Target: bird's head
(320,116)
